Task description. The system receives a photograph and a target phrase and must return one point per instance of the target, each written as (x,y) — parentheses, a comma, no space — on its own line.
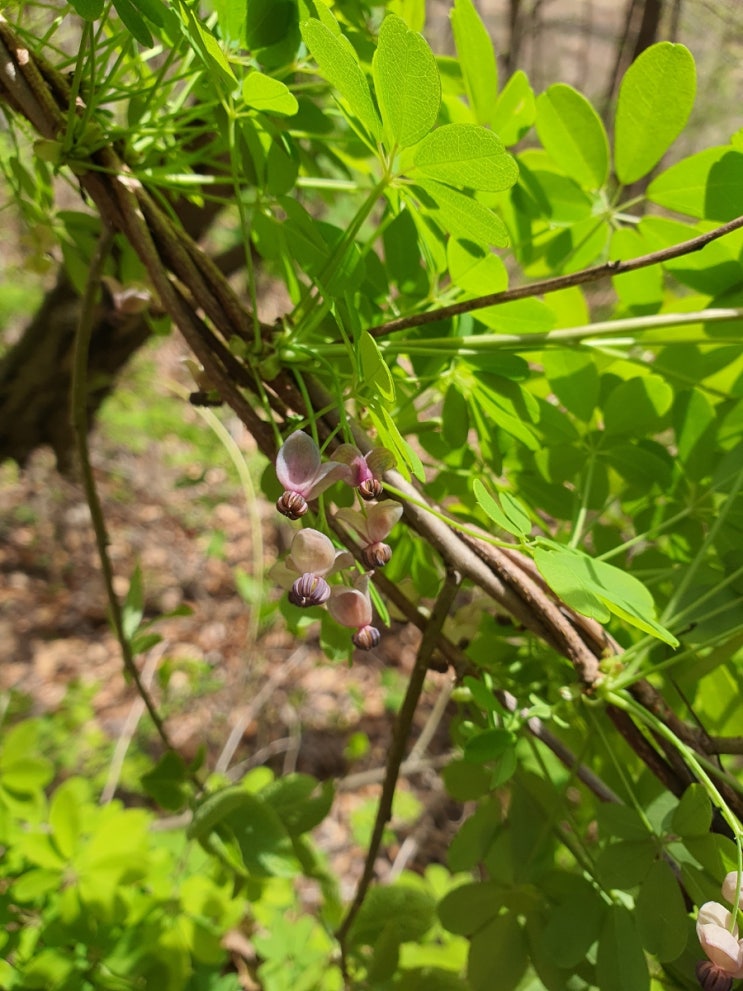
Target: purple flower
(373,525)
(299,470)
(311,557)
(366,470)
(352,607)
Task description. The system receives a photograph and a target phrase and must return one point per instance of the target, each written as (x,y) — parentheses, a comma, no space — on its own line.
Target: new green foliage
(655,100)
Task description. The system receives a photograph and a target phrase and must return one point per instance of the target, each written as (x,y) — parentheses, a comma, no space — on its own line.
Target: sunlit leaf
(465,155)
(655,100)
(572,133)
(407,83)
(476,58)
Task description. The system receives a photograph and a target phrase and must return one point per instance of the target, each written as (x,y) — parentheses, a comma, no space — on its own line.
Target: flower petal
(381,518)
(297,462)
(721,947)
(380,460)
(312,552)
(350,607)
(355,520)
(325,476)
(713,913)
(730,890)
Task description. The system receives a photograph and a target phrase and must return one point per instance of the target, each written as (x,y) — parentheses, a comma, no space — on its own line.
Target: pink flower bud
(309,590)
(373,525)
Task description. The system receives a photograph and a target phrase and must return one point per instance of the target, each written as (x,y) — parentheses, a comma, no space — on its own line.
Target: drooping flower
(718,936)
(352,607)
(300,471)
(373,525)
(366,470)
(312,556)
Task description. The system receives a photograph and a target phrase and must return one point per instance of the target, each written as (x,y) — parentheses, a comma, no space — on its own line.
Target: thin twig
(593,274)
(400,737)
(79,415)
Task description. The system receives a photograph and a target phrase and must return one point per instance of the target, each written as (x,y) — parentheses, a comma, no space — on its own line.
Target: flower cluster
(312,558)
(718,934)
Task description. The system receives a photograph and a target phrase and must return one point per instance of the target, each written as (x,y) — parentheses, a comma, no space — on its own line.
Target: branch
(593,274)
(400,736)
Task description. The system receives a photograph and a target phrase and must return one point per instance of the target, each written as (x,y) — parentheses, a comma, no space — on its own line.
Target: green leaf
(407,83)
(470,907)
(474,269)
(476,59)
(339,64)
(87,9)
(620,821)
(515,109)
(374,371)
(661,914)
(693,815)
(499,948)
(490,744)
(465,781)
(513,520)
(270,95)
(213,809)
(167,782)
(573,135)
(597,589)
(655,100)
(620,962)
(466,155)
(637,405)
(272,31)
(455,421)
(574,921)
(133,22)
(708,184)
(462,216)
(625,864)
(640,291)
(65,814)
(413,12)
(300,801)
(410,910)
(573,377)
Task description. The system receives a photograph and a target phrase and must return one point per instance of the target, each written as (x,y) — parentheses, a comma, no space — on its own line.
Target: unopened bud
(309,590)
(712,978)
(376,555)
(371,489)
(366,638)
(292,504)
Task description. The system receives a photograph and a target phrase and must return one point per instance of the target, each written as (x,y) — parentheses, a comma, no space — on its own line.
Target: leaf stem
(477,343)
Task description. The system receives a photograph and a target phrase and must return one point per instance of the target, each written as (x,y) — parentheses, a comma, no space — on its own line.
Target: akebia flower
(719,938)
(366,469)
(373,525)
(312,556)
(352,607)
(300,471)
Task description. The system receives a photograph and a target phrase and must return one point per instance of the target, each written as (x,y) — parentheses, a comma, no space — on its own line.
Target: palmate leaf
(655,100)
(598,589)
(407,83)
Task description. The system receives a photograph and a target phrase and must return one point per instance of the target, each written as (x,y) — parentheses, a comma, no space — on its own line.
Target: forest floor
(228,670)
